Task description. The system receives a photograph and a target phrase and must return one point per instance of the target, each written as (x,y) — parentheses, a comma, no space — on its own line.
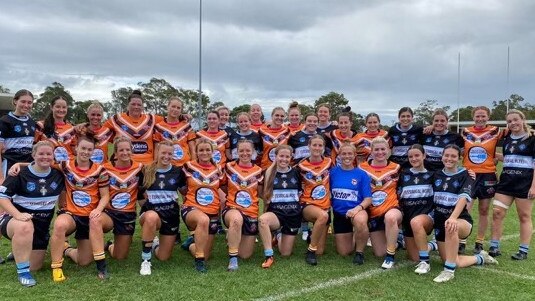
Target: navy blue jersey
(299,142)
(236,137)
(17,133)
(434,147)
(448,189)
(34,192)
(165,188)
(327,129)
(415,192)
(228,129)
(348,188)
(401,141)
(518,163)
(286,191)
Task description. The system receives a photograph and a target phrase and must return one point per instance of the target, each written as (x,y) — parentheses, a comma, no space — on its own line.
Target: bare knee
(25,229)
(322,218)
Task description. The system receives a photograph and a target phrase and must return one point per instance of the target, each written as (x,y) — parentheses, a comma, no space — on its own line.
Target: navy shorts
(485,185)
(341,223)
(212,226)
(440,225)
(250,225)
(290,224)
(406,225)
(41,228)
(169,216)
(124,223)
(82,225)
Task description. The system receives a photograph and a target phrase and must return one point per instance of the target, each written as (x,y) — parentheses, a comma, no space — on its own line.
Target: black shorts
(378,223)
(329,219)
(440,224)
(250,225)
(41,228)
(341,223)
(406,224)
(169,216)
(82,225)
(512,185)
(212,226)
(485,186)
(290,224)
(124,223)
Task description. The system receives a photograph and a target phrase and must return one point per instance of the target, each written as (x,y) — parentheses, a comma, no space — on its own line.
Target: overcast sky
(380,54)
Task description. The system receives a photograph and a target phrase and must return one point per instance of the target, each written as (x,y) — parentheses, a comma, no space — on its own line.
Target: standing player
(17,133)
(342,135)
(452,189)
(517,184)
(351,195)
(244,132)
(177,130)
(241,210)
(28,200)
(282,188)
(384,212)
(161,183)
(300,140)
(256,117)
(294,118)
(403,135)
(325,125)
(364,140)
(224,116)
(200,211)
(58,131)
(480,142)
(316,199)
(272,135)
(435,141)
(103,134)
(216,136)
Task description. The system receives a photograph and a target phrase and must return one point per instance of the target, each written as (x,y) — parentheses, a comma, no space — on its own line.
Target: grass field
(335,277)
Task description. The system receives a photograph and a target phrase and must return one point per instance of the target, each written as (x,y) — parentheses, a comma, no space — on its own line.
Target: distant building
(6,104)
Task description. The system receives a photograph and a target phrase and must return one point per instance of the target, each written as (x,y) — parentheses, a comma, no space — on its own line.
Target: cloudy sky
(380,54)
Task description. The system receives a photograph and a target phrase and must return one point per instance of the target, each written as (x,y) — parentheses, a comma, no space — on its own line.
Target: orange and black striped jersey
(271,138)
(363,143)
(384,181)
(64,141)
(139,131)
(256,126)
(179,133)
(103,136)
(203,183)
(124,183)
(315,179)
(338,139)
(480,148)
(243,188)
(294,129)
(82,187)
(220,142)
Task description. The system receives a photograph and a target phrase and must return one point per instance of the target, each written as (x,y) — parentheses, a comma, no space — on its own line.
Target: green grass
(176,279)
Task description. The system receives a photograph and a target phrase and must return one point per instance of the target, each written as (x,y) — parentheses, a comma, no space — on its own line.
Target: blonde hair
(271,171)
(95,105)
(40,144)
(200,141)
(116,142)
(149,171)
(525,125)
(380,140)
(349,145)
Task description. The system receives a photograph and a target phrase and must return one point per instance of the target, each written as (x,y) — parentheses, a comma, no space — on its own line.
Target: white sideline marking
(331,283)
(525,277)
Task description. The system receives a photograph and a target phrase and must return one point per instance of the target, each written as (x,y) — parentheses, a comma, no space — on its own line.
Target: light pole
(199,101)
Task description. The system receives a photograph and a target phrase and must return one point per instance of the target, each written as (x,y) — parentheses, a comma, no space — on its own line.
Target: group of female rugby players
(408,179)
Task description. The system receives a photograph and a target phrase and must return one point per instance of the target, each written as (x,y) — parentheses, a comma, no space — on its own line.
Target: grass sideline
(291,278)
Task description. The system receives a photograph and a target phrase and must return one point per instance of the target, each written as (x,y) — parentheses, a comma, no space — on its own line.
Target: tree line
(157,91)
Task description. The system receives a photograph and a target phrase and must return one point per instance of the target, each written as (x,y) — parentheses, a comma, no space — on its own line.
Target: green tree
(41,107)
(336,101)
(499,108)
(237,110)
(119,100)
(305,109)
(423,114)
(156,93)
(4,89)
(465,114)
(79,111)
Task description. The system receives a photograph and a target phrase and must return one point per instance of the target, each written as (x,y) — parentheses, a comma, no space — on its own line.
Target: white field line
(330,283)
(358,277)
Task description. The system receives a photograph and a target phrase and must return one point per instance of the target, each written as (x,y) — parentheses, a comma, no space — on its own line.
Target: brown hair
(21,93)
(483,108)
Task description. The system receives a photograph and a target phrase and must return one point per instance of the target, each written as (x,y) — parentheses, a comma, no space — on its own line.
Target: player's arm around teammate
(28,200)
(244,181)
(281,191)
(351,195)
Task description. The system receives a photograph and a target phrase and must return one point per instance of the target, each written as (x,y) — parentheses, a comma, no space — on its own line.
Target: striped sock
(232,252)
(268,252)
(462,241)
(100,260)
(57,264)
(480,259)
(146,253)
(312,249)
(23,269)
(523,248)
(450,266)
(432,245)
(390,254)
(495,243)
(424,256)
